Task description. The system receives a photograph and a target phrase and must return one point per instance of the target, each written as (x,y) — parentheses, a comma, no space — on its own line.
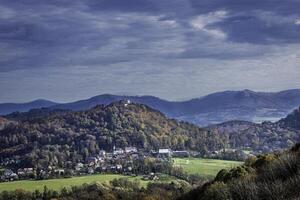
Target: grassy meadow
(205,167)
(58,184)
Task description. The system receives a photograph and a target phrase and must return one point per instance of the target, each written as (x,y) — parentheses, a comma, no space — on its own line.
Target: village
(128,161)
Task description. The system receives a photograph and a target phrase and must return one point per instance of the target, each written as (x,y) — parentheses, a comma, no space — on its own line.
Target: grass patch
(204,167)
(58,184)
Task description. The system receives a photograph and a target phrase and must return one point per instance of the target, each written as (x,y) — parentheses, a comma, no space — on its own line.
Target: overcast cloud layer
(65,50)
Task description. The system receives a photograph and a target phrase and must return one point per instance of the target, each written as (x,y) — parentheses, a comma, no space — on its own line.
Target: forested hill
(264,137)
(292,120)
(73,136)
(259,138)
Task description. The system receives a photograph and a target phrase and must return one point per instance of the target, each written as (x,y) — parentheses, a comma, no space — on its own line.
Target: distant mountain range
(7,108)
(211,109)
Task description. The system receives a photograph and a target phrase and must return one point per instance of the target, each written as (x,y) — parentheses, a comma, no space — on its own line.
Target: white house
(102,153)
(165,152)
(130,150)
(9,175)
(127,102)
(79,166)
(118,151)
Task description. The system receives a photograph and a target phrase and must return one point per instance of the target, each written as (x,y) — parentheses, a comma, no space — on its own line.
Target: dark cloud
(225,52)
(54,35)
(255,21)
(253,29)
(286,7)
(38,3)
(124,6)
(114,35)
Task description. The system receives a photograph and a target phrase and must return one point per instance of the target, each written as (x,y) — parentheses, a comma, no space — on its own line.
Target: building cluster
(117,161)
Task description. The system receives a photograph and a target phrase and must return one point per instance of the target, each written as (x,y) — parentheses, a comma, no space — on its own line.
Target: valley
(126,144)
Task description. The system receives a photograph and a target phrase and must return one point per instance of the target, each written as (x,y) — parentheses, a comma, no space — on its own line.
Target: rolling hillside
(7,108)
(49,139)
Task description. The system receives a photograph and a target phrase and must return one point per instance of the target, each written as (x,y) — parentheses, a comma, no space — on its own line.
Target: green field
(205,167)
(58,184)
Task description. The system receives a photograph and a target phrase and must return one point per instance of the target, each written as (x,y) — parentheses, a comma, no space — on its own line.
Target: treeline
(117,189)
(268,177)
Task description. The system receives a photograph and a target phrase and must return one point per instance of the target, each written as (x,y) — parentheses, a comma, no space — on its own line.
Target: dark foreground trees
(268,177)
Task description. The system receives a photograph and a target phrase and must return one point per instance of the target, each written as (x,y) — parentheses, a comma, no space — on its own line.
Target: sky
(66,50)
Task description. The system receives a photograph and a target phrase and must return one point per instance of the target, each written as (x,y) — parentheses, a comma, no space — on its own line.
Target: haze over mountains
(6,108)
(211,109)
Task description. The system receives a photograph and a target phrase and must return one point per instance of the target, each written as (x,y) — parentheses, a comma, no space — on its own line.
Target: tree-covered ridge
(292,120)
(260,138)
(73,136)
(269,177)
